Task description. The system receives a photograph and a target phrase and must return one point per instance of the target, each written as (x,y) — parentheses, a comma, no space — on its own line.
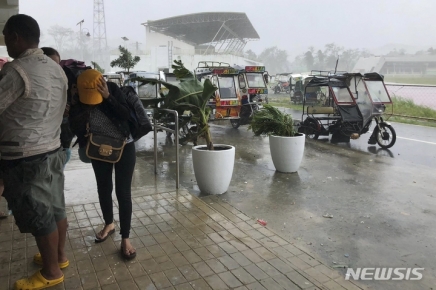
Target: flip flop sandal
(37,259)
(127,256)
(36,282)
(98,240)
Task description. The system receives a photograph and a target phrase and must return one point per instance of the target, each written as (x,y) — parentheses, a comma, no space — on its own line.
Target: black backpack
(72,68)
(138,122)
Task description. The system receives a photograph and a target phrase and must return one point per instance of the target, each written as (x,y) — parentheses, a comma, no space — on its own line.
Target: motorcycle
(283,85)
(249,107)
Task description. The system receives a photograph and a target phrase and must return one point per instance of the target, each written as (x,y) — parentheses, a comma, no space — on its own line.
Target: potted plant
(213,163)
(285,143)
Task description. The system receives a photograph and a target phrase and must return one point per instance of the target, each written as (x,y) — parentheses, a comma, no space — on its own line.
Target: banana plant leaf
(188,95)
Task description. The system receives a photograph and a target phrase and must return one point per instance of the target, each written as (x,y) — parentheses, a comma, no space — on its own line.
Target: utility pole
(80,35)
(100,41)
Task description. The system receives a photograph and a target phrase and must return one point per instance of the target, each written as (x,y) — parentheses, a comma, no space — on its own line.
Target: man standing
(33,94)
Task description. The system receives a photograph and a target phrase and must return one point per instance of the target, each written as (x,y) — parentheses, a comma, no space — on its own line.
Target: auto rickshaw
(254,91)
(352,103)
(283,83)
(252,81)
(298,83)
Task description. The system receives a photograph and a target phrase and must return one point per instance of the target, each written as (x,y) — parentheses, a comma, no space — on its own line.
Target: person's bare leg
(127,246)
(48,247)
(62,232)
(104,232)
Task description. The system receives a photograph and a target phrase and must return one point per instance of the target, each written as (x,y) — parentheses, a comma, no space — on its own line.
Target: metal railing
(176,136)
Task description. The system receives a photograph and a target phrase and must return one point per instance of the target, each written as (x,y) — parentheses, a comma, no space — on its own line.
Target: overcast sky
(293,25)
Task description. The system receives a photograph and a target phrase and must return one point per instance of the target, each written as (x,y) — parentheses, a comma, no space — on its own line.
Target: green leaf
(271,121)
(188,95)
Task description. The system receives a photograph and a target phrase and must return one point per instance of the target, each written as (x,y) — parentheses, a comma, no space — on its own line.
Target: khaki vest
(31,125)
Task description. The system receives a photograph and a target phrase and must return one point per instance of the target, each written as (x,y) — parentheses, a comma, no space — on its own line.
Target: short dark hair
(25,26)
(50,51)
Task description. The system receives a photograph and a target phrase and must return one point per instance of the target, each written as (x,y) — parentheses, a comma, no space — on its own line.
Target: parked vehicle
(241,90)
(254,92)
(253,80)
(114,77)
(226,101)
(298,85)
(283,83)
(353,103)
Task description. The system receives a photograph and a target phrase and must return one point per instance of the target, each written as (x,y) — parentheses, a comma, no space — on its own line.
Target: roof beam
(214,38)
(231,31)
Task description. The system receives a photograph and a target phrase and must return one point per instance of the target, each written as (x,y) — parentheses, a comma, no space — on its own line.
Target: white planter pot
(213,169)
(287,152)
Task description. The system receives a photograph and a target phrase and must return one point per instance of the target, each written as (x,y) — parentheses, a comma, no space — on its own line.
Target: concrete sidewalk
(182,242)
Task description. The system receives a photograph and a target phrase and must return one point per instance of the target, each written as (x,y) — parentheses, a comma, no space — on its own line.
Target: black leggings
(123,183)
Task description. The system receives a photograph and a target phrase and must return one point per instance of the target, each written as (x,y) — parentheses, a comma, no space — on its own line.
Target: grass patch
(283,100)
(412,121)
(408,107)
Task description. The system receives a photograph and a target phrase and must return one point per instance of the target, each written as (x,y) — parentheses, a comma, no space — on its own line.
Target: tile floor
(183,242)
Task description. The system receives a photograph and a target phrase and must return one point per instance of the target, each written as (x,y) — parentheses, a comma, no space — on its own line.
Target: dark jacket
(114,107)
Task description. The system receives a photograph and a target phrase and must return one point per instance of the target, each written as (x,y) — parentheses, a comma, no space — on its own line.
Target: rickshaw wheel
(235,123)
(386,137)
(310,129)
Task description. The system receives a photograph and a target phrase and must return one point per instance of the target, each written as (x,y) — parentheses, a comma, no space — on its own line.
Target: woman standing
(107,113)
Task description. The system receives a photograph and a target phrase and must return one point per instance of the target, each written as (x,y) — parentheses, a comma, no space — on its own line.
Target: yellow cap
(87,85)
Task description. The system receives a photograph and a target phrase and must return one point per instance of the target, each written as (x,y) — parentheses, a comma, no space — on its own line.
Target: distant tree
(275,60)
(60,35)
(431,51)
(348,59)
(365,53)
(308,60)
(326,60)
(251,54)
(97,67)
(331,51)
(396,52)
(125,60)
(298,64)
(320,59)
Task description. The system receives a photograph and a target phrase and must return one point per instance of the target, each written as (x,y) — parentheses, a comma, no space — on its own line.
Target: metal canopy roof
(208,28)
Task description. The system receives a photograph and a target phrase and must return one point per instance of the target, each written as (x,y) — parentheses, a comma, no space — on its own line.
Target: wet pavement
(415,144)
(382,212)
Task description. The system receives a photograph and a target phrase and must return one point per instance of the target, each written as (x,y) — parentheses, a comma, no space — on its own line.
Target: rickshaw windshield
(255,80)
(361,96)
(342,95)
(147,91)
(227,87)
(378,92)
